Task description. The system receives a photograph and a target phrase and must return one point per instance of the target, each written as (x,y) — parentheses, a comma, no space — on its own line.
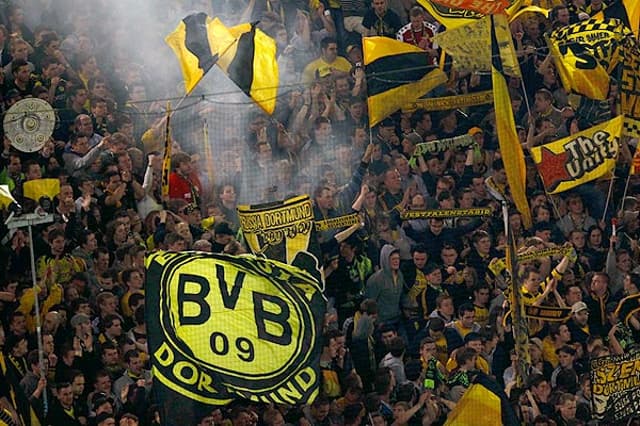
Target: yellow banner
(451,102)
(579,158)
(444,213)
(278,230)
(440,145)
(615,385)
(465,42)
(505,63)
(586,54)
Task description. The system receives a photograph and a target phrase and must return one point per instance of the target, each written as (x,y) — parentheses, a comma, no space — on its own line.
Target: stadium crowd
(416,313)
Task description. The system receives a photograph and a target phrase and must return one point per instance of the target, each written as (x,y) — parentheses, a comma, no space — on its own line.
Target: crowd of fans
(415,315)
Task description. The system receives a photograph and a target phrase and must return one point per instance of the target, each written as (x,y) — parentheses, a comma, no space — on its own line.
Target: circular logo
(242,325)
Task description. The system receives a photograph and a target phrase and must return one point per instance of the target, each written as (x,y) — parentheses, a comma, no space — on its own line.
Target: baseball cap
(578,307)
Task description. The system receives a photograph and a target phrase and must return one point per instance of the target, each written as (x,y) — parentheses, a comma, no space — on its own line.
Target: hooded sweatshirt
(382,288)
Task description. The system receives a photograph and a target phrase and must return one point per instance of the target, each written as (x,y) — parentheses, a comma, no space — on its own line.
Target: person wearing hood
(385,286)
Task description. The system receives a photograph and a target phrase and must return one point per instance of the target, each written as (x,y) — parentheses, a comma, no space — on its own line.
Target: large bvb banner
(224,327)
(615,385)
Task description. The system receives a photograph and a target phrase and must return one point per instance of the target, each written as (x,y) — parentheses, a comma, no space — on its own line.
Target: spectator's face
(15,165)
(78,385)
(416,21)
(85,126)
(103,384)
(109,357)
(325,199)
(565,359)
(483,245)
(436,226)
(428,351)
(599,285)
(468,318)
(581,318)
(435,277)
(476,345)
(387,337)
(563,16)
(392,180)
(135,365)
(57,245)
(568,410)
(65,396)
(20,51)
(330,53)
(320,412)
(109,306)
(394,261)
(23,74)
(379,6)
(446,307)
(419,259)
(532,282)
(116,329)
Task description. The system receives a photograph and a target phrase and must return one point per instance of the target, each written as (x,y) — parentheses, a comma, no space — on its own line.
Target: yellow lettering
(164,355)
(204,384)
(180,367)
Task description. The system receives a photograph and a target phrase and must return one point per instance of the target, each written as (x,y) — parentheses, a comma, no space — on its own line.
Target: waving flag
(198,42)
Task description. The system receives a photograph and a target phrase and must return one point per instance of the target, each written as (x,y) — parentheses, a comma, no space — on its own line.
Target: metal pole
(43,369)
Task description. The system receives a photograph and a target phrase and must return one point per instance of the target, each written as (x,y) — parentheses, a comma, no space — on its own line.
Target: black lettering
(230,300)
(263,316)
(215,347)
(185,298)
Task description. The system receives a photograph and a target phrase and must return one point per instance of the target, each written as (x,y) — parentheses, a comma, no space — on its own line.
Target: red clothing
(408,35)
(185,189)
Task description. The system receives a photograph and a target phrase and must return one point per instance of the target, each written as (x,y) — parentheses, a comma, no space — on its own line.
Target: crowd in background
(415,313)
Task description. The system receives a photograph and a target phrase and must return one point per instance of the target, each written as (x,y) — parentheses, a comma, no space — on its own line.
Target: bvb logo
(236,325)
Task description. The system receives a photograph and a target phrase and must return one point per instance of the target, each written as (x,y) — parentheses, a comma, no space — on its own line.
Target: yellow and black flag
(198,42)
(627,11)
(504,62)
(251,63)
(397,74)
(227,327)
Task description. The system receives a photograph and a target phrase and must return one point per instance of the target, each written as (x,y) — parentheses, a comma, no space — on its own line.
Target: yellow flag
(197,42)
(503,53)
(464,42)
(584,66)
(251,63)
(579,158)
(397,74)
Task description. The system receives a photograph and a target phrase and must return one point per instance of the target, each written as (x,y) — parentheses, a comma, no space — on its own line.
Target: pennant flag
(452,15)
(197,42)
(586,53)
(627,11)
(615,387)
(579,158)
(502,51)
(397,73)
(251,64)
(224,327)
(464,42)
